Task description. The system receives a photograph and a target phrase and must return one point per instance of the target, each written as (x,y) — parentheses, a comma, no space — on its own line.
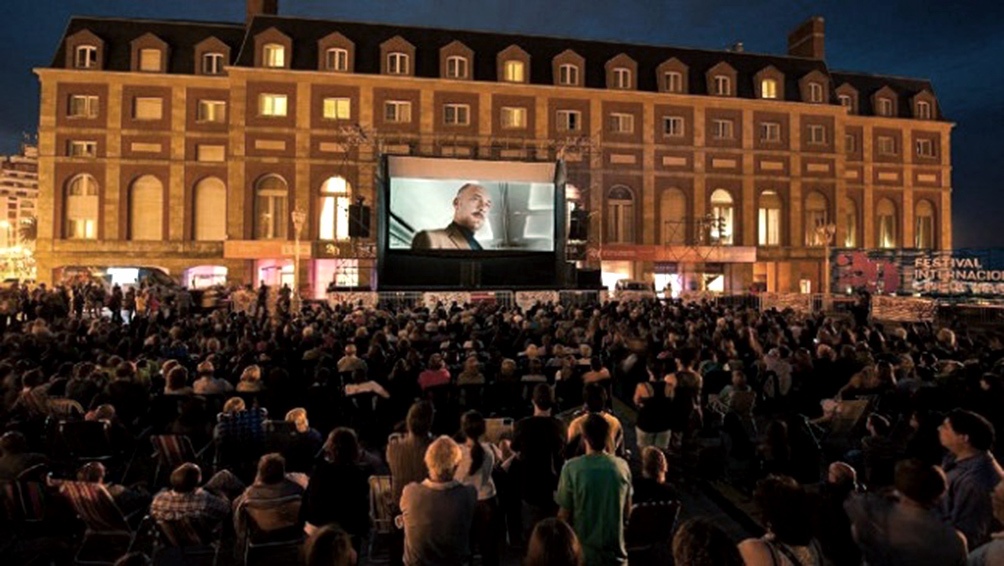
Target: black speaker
(359,221)
(578,227)
(588,279)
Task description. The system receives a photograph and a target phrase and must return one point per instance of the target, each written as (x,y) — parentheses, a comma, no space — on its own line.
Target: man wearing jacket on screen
(470,211)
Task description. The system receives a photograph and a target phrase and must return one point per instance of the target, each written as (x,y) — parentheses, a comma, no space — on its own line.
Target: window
(923,234)
(513,71)
(886,145)
(721,129)
(212,64)
(398,111)
(815,92)
(398,63)
(210,210)
(83,106)
(769,219)
(456,114)
(569,120)
(513,117)
(885,211)
(336,59)
(81,208)
(850,224)
(77,148)
(722,86)
(885,107)
(673,81)
(925,148)
(817,134)
(85,57)
(271,217)
(768,88)
(850,143)
(816,217)
(568,75)
(672,126)
(146,209)
(456,67)
(334,221)
(213,111)
(337,109)
(674,217)
(149,60)
(621,123)
(622,78)
(148,108)
(770,132)
(846,101)
(721,225)
(273,55)
(923,110)
(272,105)
(620,215)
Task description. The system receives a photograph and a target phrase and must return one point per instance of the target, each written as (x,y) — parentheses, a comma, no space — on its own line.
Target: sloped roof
(867,85)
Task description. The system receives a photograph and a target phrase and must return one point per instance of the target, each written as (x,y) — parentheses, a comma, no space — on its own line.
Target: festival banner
(932,273)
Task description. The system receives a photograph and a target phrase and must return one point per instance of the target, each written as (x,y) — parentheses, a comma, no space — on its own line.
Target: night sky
(958,45)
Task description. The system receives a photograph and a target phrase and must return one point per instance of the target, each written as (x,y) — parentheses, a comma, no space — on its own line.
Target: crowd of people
(563,434)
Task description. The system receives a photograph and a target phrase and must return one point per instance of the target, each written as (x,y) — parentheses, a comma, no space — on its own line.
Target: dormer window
(336,59)
(622,78)
(768,88)
(273,55)
(212,64)
(673,81)
(846,101)
(885,107)
(514,71)
(149,60)
(568,75)
(456,67)
(722,86)
(398,63)
(815,92)
(923,110)
(85,57)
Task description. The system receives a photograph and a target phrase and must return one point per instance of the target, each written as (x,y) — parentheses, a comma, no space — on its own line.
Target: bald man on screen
(470,211)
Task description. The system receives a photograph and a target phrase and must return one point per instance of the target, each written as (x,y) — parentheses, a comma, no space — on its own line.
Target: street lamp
(824,234)
(299,217)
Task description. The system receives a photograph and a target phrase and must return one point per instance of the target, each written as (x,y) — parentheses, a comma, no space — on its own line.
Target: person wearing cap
(207,383)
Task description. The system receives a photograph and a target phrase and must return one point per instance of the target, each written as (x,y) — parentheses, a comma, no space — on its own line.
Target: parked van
(629,289)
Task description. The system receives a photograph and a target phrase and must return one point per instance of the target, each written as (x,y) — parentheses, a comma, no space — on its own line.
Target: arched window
(885,213)
(82,208)
(768,88)
(146,209)
(769,219)
(620,215)
(816,216)
(210,210)
(674,217)
(722,217)
(334,221)
(270,207)
(850,223)
(923,235)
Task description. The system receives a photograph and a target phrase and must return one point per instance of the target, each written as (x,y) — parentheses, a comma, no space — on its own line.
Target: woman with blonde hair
(304,444)
(250,380)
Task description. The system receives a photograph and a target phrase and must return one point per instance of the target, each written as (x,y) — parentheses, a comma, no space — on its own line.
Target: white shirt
(481,480)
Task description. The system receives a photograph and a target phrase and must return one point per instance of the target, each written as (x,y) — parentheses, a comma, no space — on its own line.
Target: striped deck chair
(186,542)
(382,508)
(108,535)
(65,409)
(23,501)
(171,451)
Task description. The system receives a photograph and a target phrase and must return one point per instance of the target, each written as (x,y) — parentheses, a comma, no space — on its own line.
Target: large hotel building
(187,145)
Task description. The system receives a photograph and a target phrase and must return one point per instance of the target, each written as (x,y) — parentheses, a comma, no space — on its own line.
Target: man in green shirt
(594,496)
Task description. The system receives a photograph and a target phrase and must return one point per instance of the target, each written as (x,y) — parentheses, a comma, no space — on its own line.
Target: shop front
(680,269)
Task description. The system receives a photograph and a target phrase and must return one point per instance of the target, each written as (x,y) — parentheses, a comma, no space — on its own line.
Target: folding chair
(186,542)
(87,441)
(65,409)
(171,451)
(382,506)
(108,534)
(649,532)
(273,529)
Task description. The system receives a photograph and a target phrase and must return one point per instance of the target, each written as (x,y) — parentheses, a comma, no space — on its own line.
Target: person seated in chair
(185,500)
(129,500)
(271,483)
(14,456)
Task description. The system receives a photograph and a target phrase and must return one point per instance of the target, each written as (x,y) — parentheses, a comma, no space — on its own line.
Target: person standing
(972,472)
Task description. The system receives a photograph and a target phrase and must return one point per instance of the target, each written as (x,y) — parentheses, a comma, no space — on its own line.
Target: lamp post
(825,231)
(299,217)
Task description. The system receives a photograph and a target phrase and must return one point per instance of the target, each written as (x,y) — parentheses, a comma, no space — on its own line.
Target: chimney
(807,39)
(260,8)
(737,47)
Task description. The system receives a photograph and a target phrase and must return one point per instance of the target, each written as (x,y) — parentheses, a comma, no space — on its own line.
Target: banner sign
(963,272)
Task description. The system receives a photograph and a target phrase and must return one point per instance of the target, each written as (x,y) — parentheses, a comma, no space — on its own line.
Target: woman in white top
(476,464)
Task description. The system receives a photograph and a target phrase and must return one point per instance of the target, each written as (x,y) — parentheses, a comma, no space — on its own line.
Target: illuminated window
(274,105)
(85,57)
(212,64)
(81,208)
(817,134)
(816,215)
(924,231)
(722,129)
(456,114)
(673,126)
(513,117)
(722,224)
(83,106)
(273,55)
(337,109)
(768,88)
(398,63)
(673,81)
(850,224)
(397,111)
(885,213)
(622,78)
(722,85)
(770,132)
(620,215)
(271,216)
(336,59)
(621,123)
(569,120)
(212,111)
(334,220)
(150,60)
(513,71)
(568,75)
(815,92)
(769,219)
(148,108)
(924,110)
(456,67)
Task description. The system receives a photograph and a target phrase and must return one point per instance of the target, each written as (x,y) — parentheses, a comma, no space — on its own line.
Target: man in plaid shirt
(186,500)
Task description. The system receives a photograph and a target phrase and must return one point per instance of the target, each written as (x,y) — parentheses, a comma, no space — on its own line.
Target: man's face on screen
(471,207)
